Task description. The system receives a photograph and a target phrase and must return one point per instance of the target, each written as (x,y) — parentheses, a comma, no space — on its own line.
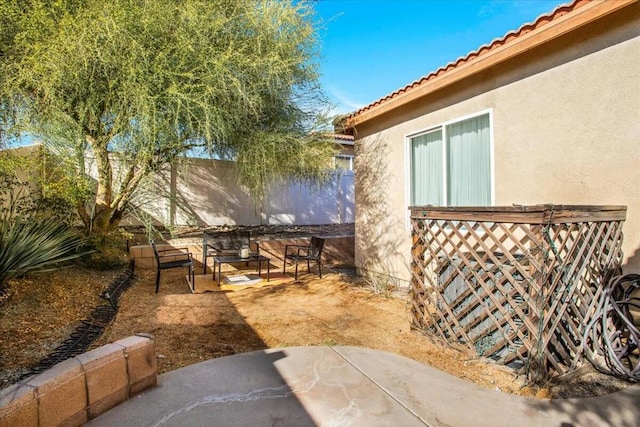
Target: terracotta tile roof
(343,137)
(482,50)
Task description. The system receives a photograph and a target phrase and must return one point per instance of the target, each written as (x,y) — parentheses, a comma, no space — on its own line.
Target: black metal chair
(310,252)
(173,258)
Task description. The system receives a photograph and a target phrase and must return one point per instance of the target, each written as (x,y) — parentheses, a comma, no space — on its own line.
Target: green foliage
(15,194)
(35,245)
(34,233)
(137,84)
(62,190)
(279,155)
(107,250)
(32,187)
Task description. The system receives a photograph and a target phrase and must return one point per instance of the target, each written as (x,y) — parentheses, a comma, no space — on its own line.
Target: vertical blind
(458,168)
(427,169)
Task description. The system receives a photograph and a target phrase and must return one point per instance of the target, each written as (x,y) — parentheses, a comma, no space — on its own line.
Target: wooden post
(417,276)
(537,269)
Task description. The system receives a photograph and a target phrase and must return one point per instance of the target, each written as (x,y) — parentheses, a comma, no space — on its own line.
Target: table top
(238,258)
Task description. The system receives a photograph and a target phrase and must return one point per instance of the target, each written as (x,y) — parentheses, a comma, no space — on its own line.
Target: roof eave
(558,27)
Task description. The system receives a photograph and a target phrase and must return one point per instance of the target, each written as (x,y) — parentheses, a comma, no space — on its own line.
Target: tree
(142,83)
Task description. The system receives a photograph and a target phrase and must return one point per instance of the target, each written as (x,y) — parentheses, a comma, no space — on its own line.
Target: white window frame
(344,156)
(442,127)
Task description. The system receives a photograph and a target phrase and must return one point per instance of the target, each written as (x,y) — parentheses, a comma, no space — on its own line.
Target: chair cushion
(176,263)
(229,241)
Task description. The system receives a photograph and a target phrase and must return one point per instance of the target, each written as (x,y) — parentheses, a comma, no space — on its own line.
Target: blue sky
(371,48)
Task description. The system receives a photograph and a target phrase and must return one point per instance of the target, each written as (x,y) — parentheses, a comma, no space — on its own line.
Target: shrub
(108,250)
(34,245)
(34,184)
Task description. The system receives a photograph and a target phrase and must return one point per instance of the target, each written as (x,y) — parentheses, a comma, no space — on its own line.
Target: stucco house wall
(565,124)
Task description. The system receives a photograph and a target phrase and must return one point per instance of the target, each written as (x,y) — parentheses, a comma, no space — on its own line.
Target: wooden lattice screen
(516,284)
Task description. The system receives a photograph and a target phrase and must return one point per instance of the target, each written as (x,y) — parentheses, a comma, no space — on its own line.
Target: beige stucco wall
(566,130)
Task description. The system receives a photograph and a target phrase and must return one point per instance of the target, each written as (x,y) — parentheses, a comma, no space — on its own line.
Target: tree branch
(132,179)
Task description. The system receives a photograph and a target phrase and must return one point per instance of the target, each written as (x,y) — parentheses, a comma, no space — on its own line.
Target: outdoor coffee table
(230,259)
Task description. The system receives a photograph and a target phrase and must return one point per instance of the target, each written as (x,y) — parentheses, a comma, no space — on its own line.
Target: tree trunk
(107,218)
(102,206)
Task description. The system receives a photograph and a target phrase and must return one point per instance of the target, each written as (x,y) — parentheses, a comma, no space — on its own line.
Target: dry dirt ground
(41,312)
(334,310)
(189,328)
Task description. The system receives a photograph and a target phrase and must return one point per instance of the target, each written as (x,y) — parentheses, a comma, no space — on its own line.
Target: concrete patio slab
(347,386)
(440,399)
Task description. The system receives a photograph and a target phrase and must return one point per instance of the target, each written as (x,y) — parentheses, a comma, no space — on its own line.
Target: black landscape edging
(90,328)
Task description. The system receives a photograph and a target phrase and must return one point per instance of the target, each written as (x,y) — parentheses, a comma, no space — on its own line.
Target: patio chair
(310,252)
(173,258)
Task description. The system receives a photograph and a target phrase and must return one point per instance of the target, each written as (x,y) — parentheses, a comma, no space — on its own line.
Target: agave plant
(34,245)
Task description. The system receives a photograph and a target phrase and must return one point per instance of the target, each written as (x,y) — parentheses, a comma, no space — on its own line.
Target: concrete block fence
(83,387)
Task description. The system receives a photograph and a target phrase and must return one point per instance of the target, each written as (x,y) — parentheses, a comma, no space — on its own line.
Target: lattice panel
(518,293)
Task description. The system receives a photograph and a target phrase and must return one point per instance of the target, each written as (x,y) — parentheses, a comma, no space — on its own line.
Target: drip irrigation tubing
(611,341)
(89,329)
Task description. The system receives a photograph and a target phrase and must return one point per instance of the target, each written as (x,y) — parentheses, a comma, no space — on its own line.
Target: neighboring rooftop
(344,139)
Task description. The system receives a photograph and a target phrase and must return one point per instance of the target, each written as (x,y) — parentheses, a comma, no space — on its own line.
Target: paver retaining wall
(336,249)
(83,387)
